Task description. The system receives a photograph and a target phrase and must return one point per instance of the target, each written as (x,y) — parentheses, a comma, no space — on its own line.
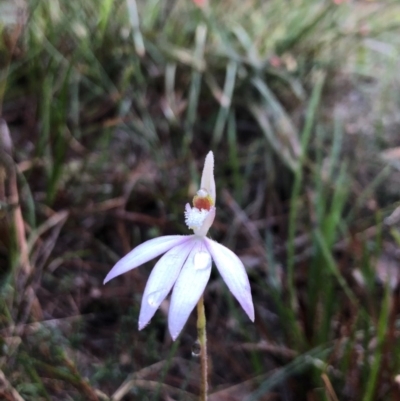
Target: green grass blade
(370,392)
(195,85)
(295,196)
(225,101)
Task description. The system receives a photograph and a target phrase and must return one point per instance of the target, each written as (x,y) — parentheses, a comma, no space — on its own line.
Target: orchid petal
(161,280)
(189,287)
(207,178)
(234,274)
(207,223)
(145,252)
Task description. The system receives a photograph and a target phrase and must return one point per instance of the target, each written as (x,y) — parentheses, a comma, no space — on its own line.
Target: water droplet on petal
(154,299)
(196,349)
(202,260)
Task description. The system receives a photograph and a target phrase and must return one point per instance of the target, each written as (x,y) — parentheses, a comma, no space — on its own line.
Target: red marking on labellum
(200,202)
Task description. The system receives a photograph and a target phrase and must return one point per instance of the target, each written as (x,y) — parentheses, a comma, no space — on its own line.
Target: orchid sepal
(144,253)
(207,177)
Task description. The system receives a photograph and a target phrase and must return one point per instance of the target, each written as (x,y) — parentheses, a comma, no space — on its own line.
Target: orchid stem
(202,337)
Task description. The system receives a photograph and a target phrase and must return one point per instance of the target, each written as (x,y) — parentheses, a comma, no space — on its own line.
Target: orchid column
(186,266)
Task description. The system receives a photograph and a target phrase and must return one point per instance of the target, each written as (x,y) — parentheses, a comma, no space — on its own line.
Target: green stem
(202,336)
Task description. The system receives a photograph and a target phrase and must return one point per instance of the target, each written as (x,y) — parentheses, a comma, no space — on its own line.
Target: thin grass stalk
(298,178)
(195,85)
(382,328)
(135,23)
(234,157)
(225,101)
(301,363)
(13,40)
(105,8)
(19,257)
(331,265)
(202,337)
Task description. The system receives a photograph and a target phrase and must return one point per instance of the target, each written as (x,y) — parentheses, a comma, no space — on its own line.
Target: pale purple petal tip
(234,274)
(145,252)
(189,287)
(161,280)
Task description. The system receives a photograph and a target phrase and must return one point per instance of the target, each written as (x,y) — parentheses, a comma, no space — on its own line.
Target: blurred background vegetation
(111,107)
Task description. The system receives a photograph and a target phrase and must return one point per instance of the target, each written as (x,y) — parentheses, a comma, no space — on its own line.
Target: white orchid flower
(186,263)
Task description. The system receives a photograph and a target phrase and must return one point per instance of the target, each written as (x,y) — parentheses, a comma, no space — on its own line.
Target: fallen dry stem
(7,390)
(138,380)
